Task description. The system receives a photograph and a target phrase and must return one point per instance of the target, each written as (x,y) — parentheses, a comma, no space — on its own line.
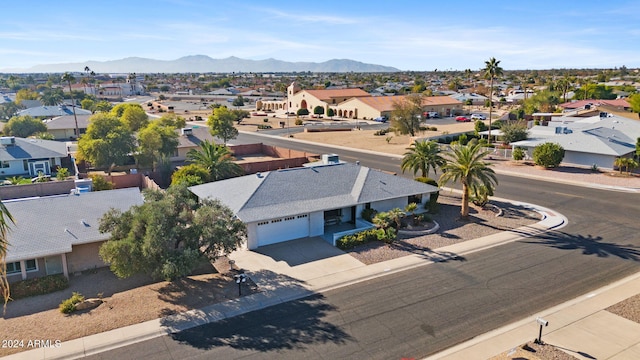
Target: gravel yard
(481,222)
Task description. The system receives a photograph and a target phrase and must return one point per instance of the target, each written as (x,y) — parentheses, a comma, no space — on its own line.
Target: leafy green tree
(239,101)
(634,101)
(221,124)
(5,223)
(217,159)
(87,104)
(422,156)
(24,126)
(103,106)
(542,101)
(492,70)
(240,114)
(107,141)
(8,110)
(190,175)
(132,115)
(638,147)
(171,119)
(169,235)
(302,112)
(26,94)
(465,165)
(548,155)
(155,141)
(518,154)
(318,110)
(331,113)
(405,116)
(513,131)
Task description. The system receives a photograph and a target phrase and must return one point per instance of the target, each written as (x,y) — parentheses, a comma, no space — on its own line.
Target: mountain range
(205,64)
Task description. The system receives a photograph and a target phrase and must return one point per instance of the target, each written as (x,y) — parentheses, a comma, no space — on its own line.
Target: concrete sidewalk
(580,327)
(282,282)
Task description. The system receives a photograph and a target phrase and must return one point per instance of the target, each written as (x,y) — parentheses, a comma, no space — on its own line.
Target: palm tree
(5,219)
(491,71)
(69,78)
(422,156)
(50,98)
(217,159)
(620,163)
(465,165)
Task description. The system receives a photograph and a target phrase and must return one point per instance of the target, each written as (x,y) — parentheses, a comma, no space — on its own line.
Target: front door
(38,167)
(53,264)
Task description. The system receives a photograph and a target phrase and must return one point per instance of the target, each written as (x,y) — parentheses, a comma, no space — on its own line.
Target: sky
(415,35)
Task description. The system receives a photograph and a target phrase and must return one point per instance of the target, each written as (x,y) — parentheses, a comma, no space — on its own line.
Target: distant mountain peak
(206,64)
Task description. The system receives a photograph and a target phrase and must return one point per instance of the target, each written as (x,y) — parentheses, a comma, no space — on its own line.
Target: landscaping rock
(88,304)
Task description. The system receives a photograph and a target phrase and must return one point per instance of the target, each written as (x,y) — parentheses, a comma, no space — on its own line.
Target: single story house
(301,202)
(59,234)
(19,156)
(64,127)
(52,111)
(596,140)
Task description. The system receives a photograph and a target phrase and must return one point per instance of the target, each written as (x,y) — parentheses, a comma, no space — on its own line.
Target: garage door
(278,230)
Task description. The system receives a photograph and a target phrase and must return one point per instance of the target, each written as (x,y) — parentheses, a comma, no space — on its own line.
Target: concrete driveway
(302,259)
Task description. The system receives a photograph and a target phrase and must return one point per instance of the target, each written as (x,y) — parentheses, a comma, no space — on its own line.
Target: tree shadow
(290,325)
(427,253)
(589,245)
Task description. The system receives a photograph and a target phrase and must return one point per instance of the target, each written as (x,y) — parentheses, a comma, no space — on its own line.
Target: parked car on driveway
(462,119)
(478,117)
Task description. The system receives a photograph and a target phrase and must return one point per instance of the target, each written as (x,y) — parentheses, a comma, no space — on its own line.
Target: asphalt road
(425,310)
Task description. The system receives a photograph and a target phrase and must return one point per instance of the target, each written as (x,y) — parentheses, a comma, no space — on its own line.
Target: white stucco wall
(387,205)
(316,223)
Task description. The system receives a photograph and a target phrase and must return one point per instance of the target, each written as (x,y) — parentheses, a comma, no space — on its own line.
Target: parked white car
(478,117)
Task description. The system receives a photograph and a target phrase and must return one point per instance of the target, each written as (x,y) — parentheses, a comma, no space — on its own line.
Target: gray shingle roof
(51,225)
(49,111)
(32,149)
(68,122)
(302,190)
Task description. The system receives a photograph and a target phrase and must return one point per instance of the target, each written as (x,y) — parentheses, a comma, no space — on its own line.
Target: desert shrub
(39,286)
(433,128)
(363,237)
(265,120)
(518,154)
(462,139)
(69,305)
(381,132)
(548,155)
(99,183)
(264,127)
(368,214)
(62,173)
(298,122)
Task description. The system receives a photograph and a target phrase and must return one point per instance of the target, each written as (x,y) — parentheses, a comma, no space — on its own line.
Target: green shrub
(548,155)
(39,286)
(99,183)
(368,214)
(265,120)
(298,121)
(264,127)
(363,237)
(302,112)
(518,154)
(433,128)
(62,173)
(381,132)
(68,306)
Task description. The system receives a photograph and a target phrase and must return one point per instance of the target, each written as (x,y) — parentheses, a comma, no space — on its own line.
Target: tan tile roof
(385,103)
(337,93)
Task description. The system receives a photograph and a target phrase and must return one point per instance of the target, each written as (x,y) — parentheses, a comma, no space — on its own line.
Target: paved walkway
(581,326)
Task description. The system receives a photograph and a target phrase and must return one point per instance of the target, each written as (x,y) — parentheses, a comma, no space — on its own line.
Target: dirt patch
(126,302)
(628,309)
(532,351)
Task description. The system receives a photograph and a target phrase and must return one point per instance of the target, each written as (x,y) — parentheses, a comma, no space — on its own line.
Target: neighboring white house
(20,156)
(301,202)
(596,140)
(64,127)
(59,234)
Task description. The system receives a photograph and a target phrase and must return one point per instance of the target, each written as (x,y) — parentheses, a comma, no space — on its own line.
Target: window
(15,267)
(5,164)
(25,165)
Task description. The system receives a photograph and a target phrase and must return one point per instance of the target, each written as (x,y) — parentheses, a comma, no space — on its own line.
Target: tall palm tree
(5,219)
(217,159)
(491,71)
(465,165)
(69,78)
(422,156)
